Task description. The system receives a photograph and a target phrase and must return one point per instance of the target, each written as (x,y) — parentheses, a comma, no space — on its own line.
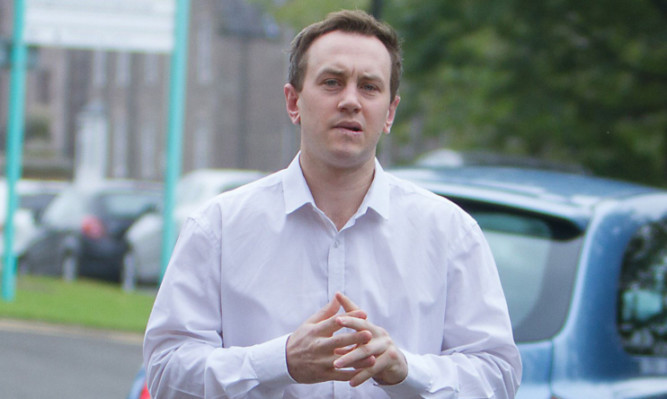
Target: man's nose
(349,101)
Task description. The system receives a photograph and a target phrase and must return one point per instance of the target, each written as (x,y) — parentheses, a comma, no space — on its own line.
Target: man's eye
(369,87)
(331,82)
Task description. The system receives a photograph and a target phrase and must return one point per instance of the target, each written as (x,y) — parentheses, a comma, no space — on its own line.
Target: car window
(536,257)
(36,202)
(128,204)
(642,311)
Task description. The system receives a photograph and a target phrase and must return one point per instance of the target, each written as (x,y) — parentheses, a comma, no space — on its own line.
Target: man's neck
(339,192)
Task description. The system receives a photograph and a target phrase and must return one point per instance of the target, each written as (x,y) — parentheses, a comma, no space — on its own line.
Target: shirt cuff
(270,362)
(417,381)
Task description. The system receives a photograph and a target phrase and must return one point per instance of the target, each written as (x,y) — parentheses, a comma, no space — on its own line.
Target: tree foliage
(299,13)
(563,80)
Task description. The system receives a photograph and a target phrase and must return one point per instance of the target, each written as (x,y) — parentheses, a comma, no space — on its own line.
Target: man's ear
(291,102)
(391,114)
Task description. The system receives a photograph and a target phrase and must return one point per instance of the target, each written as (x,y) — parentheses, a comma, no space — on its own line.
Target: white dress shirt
(256,262)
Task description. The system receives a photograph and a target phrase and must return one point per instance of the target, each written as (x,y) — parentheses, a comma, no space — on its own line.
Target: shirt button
(336,243)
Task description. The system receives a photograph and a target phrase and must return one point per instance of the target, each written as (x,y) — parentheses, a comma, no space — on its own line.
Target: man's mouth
(352,126)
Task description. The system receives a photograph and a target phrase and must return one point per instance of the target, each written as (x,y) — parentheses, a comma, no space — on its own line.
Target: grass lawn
(85,303)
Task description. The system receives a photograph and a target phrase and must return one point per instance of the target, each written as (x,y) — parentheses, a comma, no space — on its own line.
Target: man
(332,278)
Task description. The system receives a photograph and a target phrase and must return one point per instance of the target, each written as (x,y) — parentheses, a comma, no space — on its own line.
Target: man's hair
(345,21)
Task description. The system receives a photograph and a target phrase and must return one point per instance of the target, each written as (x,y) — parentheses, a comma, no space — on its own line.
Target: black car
(82,230)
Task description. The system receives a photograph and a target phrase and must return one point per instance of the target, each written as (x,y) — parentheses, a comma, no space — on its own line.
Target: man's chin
(351,158)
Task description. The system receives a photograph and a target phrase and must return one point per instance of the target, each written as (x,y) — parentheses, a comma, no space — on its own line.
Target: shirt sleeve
(183,344)
(479,358)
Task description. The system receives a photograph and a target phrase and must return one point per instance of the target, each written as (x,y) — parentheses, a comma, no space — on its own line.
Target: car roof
(569,195)
(116,184)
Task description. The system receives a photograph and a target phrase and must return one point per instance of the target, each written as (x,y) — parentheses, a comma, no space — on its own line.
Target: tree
(559,79)
(299,13)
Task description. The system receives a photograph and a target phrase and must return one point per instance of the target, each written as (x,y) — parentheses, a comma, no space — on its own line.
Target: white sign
(122,25)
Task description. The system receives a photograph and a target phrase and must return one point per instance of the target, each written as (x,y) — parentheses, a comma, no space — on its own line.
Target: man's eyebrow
(339,72)
(331,71)
(372,76)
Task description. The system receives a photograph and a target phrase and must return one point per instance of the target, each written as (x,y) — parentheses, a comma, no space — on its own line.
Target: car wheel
(129,272)
(69,266)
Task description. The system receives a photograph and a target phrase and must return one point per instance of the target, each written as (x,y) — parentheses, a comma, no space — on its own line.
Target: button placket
(336,266)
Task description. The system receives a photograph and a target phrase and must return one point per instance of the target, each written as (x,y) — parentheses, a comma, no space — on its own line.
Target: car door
(59,229)
(642,309)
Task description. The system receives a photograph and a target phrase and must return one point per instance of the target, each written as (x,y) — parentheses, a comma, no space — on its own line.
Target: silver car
(142,262)
(33,196)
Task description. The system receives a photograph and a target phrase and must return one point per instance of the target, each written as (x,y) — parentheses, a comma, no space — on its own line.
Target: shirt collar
(295,188)
(297,193)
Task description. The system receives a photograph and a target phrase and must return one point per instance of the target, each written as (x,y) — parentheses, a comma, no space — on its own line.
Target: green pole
(177,97)
(14,148)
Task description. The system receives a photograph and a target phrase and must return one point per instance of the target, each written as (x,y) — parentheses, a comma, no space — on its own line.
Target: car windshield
(536,257)
(129,204)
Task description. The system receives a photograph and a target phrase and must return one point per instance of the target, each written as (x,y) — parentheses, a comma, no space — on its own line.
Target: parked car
(142,262)
(449,158)
(82,230)
(583,262)
(33,196)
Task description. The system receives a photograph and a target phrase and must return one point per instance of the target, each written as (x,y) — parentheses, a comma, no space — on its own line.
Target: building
(235,114)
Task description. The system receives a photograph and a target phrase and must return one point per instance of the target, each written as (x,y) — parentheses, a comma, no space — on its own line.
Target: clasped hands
(315,354)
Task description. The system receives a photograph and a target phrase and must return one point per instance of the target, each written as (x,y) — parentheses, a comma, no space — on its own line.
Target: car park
(82,230)
(583,263)
(142,261)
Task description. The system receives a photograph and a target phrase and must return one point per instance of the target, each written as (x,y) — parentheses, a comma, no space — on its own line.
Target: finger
(362,364)
(346,302)
(345,342)
(362,376)
(389,368)
(381,363)
(329,310)
(359,353)
(344,350)
(355,323)
(359,314)
(330,325)
(342,375)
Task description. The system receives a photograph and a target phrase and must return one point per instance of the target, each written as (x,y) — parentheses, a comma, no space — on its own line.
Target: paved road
(46,361)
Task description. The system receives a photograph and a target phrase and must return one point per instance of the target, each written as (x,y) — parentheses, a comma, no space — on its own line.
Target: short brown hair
(346,21)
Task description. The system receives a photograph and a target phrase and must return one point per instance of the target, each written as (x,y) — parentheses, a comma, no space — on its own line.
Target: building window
(99,69)
(120,148)
(642,315)
(148,150)
(44,86)
(122,69)
(204,43)
(151,66)
(202,144)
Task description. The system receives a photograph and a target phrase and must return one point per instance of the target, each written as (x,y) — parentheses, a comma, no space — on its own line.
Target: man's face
(344,105)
